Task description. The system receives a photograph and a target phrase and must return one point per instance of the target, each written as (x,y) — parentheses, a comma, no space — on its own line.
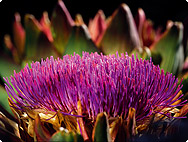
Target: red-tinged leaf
(185,65)
(146,30)
(61,26)
(97,27)
(46,24)
(139,20)
(37,41)
(19,35)
(101,129)
(9,45)
(170,48)
(80,41)
(149,34)
(42,134)
(121,35)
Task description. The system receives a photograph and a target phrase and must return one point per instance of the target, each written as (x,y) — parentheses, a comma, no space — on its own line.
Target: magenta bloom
(110,84)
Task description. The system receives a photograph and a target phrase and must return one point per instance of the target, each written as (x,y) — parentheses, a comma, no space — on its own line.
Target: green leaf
(79,138)
(61,26)
(7,67)
(185,36)
(25,62)
(4,99)
(80,41)
(101,129)
(121,34)
(169,48)
(63,136)
(143,53)
(45,48)
(185,84)
(33,29)
(58,136)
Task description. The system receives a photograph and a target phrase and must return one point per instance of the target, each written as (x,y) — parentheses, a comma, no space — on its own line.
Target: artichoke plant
(101,94)
(94,98)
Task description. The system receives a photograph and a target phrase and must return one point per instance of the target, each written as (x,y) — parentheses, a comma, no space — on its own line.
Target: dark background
(158,11)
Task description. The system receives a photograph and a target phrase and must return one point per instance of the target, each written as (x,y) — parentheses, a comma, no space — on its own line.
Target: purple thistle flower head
(110,84)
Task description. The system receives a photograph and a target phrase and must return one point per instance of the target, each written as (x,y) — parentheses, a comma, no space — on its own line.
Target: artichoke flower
(98,97)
